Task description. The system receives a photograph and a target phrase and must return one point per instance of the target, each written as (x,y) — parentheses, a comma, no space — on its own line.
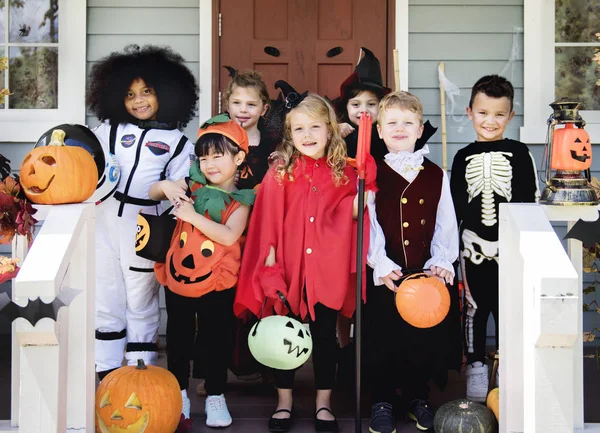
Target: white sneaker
(477,382)
(186,406)
(217,414)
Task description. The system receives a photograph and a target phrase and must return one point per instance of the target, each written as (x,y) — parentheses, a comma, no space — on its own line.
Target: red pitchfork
(363,148)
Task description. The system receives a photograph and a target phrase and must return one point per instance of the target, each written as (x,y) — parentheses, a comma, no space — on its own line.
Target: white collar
(407,164)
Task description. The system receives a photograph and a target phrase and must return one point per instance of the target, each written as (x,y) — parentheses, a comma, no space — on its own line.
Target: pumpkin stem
(58,138)
(141,365)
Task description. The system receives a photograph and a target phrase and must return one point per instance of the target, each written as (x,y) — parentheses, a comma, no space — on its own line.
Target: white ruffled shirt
(444,244)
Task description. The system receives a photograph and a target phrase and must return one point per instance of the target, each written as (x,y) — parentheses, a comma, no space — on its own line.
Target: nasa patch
(127,140)
(158,147)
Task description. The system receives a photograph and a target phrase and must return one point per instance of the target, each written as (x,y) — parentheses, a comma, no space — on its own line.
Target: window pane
(2,21)
(33,77)
(33,21)
(576,76)
(577,20)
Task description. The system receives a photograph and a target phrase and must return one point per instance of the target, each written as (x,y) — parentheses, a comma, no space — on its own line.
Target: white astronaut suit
(127,312)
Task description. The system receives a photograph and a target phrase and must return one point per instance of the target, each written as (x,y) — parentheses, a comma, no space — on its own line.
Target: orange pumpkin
(493,402)
(195,265)
(422,301)
(571,149)
(138,399)
(57,174)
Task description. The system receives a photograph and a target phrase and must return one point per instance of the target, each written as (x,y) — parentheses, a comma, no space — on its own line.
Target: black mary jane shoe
(280,425)
(325,426)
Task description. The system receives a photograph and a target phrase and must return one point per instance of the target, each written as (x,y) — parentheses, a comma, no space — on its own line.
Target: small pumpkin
(58,174)
(493,402)
(466,416)
(138,399)
(422,301)
(571,149)
(280,342)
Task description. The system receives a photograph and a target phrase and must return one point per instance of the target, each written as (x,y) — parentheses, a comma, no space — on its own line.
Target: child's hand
(175,192)
(442,274)
(346,129)
(389,279)
(185,211)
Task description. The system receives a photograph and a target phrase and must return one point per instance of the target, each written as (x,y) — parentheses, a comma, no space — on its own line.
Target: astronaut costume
(127,312)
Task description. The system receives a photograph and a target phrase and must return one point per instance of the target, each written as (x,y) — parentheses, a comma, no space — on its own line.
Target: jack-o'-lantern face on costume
(143,233)
(571,149)
(195,265)
(138,400)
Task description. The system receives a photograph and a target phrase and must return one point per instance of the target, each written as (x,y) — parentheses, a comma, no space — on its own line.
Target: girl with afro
(143,96)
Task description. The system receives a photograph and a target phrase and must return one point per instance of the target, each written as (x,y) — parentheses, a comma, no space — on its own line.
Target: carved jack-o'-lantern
(572,149)
(138,400)
(57,174)
(195,265)
(280,342)
(422,301)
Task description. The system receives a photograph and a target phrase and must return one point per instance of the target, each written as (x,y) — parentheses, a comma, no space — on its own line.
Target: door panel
(312,44)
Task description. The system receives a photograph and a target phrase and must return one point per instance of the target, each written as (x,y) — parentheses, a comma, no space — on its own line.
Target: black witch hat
(367,74)
(287,99)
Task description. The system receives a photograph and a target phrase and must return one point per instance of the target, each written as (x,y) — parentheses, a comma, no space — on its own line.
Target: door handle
(272,51)
(335,51)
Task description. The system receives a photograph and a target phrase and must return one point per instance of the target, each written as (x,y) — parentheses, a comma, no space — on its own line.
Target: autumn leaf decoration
(15,211)
(8,268)
(3,66)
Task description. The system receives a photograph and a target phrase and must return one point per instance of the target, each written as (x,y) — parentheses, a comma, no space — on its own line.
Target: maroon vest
(407,211)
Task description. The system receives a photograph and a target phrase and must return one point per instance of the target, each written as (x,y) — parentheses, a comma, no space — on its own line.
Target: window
(560,43)
(43,44)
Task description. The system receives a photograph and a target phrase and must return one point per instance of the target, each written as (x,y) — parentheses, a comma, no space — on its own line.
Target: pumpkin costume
(147,151)
(485,174)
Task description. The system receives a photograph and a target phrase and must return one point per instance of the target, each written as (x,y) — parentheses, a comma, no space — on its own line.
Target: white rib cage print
(488,173)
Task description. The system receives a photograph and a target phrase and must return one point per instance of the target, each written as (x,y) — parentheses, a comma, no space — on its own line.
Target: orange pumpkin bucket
(422,301)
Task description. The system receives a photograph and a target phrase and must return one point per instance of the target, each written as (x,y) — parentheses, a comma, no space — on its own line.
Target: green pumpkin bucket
(280,342)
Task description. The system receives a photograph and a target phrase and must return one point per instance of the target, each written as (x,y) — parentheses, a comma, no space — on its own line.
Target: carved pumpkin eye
(207,248)
(49,160)
(289,324)
(134,402)
(105,400)
(182,239)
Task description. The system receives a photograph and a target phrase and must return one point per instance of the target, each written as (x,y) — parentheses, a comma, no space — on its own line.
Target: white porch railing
(53,378)
(541,349)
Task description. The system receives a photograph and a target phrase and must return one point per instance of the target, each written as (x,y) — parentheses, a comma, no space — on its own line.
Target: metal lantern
(569,157)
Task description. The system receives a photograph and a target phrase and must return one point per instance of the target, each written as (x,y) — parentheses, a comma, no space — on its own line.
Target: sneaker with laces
(477,381)
(217,414)
(382,418)
(420,412)
(185,422)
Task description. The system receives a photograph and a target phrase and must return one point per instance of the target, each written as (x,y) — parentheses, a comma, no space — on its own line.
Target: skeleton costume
(485,174)
(127,312)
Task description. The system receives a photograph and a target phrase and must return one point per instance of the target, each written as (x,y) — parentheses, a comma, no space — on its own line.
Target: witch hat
(366,74)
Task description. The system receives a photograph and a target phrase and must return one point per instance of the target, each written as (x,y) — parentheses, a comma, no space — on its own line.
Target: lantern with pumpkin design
(280,342)
(58,174)
(423,301)
(568,153)
(138,399)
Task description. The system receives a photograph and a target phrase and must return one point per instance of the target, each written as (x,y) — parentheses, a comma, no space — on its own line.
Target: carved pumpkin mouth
(582,158)
(183,278)
(138,427)
(291,349)
(37,189)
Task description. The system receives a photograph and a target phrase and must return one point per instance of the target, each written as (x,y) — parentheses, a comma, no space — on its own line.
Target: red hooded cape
(308,220)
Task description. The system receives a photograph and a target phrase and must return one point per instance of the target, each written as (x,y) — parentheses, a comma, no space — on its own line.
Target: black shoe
(325,426)
(382,418)
(420,412)
(277,425)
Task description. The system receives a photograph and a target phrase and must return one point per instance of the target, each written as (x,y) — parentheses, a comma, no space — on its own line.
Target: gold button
(312,220)
(404,224)
(422,222)
(309,251)
(407,242)
(404,200)
(314,188)
(421,201)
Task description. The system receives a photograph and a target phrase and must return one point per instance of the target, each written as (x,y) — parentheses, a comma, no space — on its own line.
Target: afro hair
(160,67)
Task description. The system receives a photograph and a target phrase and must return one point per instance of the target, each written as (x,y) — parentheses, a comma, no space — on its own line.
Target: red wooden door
(311,44)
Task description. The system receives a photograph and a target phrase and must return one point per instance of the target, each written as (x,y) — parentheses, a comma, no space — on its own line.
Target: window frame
(539,44)
(27,125)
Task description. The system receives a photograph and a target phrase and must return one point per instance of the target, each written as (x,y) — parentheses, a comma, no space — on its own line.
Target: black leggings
(324,352)
(216,328)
